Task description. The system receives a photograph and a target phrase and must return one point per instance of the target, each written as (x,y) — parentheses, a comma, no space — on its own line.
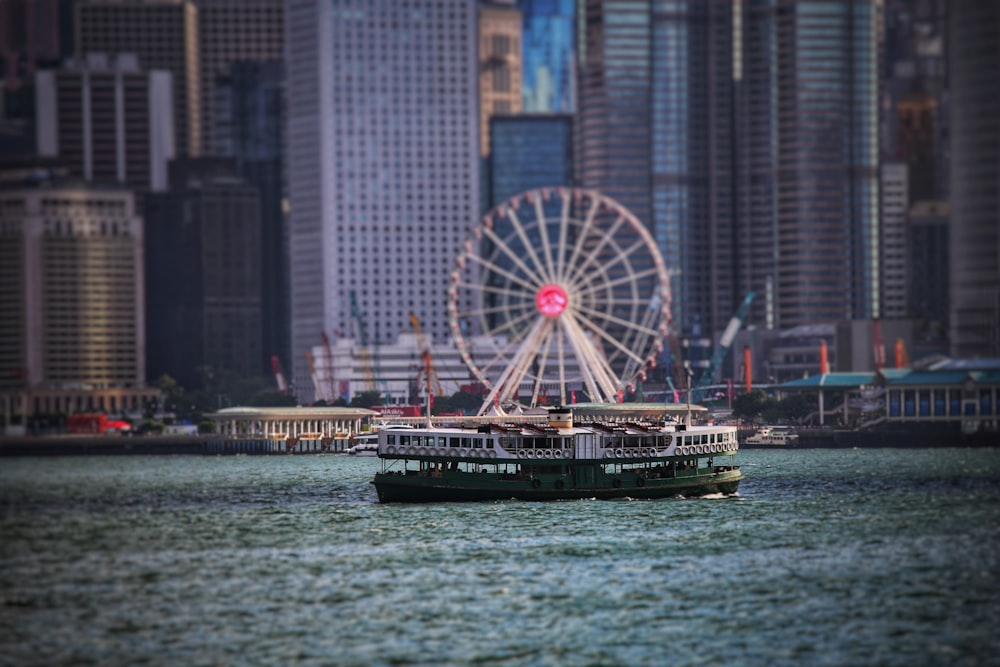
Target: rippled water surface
(827,557)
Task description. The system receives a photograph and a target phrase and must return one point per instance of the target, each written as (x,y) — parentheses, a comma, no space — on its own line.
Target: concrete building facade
(107,120)
(163,34)
(383,145)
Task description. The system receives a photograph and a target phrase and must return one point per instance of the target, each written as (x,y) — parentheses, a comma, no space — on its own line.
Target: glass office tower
(548,29)
(656,134)
(808,160)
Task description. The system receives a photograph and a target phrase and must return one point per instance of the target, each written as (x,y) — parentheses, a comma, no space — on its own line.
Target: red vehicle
(96,423)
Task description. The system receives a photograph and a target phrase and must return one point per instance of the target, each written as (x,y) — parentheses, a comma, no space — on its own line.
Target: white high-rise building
(383,165)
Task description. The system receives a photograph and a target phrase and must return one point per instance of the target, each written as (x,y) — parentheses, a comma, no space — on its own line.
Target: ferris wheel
(558,289)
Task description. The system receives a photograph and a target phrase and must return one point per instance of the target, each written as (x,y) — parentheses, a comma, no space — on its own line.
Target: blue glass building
(547,55)
(529,151)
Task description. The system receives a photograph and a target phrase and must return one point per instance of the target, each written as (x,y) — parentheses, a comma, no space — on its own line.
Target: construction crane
(279,376)
(315,380)
(426,372)
(364,354)
(725,342)
(330,379)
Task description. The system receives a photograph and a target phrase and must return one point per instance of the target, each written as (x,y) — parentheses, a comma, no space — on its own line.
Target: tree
(173,393)
(751,405)
(466,402)
(367,399)
(797,406)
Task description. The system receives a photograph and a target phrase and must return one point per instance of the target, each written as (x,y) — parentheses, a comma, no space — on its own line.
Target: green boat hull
(578,482)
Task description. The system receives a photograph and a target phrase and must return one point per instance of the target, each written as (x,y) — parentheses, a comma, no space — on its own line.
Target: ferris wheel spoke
(608,317)
(598,375)
(588,224)
(614,282)
(594,254)
(542,364)
(611,340)
(493,267)
(529,247)
(512,325)
(543,233)
(492,289)
(621,258)
(563,230)
(518,367)
(561,356)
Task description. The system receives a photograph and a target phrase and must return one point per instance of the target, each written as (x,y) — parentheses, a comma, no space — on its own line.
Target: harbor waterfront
(826,557)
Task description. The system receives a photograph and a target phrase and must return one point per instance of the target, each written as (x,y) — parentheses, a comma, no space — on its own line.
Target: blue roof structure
(980,371)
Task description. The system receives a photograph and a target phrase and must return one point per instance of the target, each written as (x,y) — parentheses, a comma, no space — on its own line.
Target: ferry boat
(556,460)
(772,436)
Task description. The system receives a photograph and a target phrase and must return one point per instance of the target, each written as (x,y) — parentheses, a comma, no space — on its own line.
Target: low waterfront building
(951,395)
(297,423)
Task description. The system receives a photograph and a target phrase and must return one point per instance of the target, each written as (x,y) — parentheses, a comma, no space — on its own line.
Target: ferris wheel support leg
(597,374)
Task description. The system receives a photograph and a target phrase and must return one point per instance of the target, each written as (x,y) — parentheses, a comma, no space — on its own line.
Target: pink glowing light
(551,300)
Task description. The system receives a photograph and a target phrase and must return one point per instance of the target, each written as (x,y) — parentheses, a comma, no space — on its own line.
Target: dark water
(863,557)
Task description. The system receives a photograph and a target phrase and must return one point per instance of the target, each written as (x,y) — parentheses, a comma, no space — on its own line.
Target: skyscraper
(164,36)
(107,120)
(231,31)
(808,160)
(383,164)
(203,279)
(548,48)
(655,115)
(250,127)
(71,295)
(499,64)
(975,179)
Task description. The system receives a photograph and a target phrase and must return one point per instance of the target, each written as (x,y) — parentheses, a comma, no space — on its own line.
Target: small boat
(556,460)
(364,445)
(772,437)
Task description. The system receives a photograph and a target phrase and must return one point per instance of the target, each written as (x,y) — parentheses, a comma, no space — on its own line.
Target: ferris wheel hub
(551,300)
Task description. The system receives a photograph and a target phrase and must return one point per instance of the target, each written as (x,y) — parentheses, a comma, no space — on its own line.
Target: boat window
(455,442)
(390,439)
(711,438)
(489,443)
(477,443)
(466,442)
(404,440)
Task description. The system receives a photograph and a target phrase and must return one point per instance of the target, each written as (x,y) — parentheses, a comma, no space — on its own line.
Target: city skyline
(810,153)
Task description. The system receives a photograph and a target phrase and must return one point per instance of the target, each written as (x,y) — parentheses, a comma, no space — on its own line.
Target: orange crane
(430,375)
